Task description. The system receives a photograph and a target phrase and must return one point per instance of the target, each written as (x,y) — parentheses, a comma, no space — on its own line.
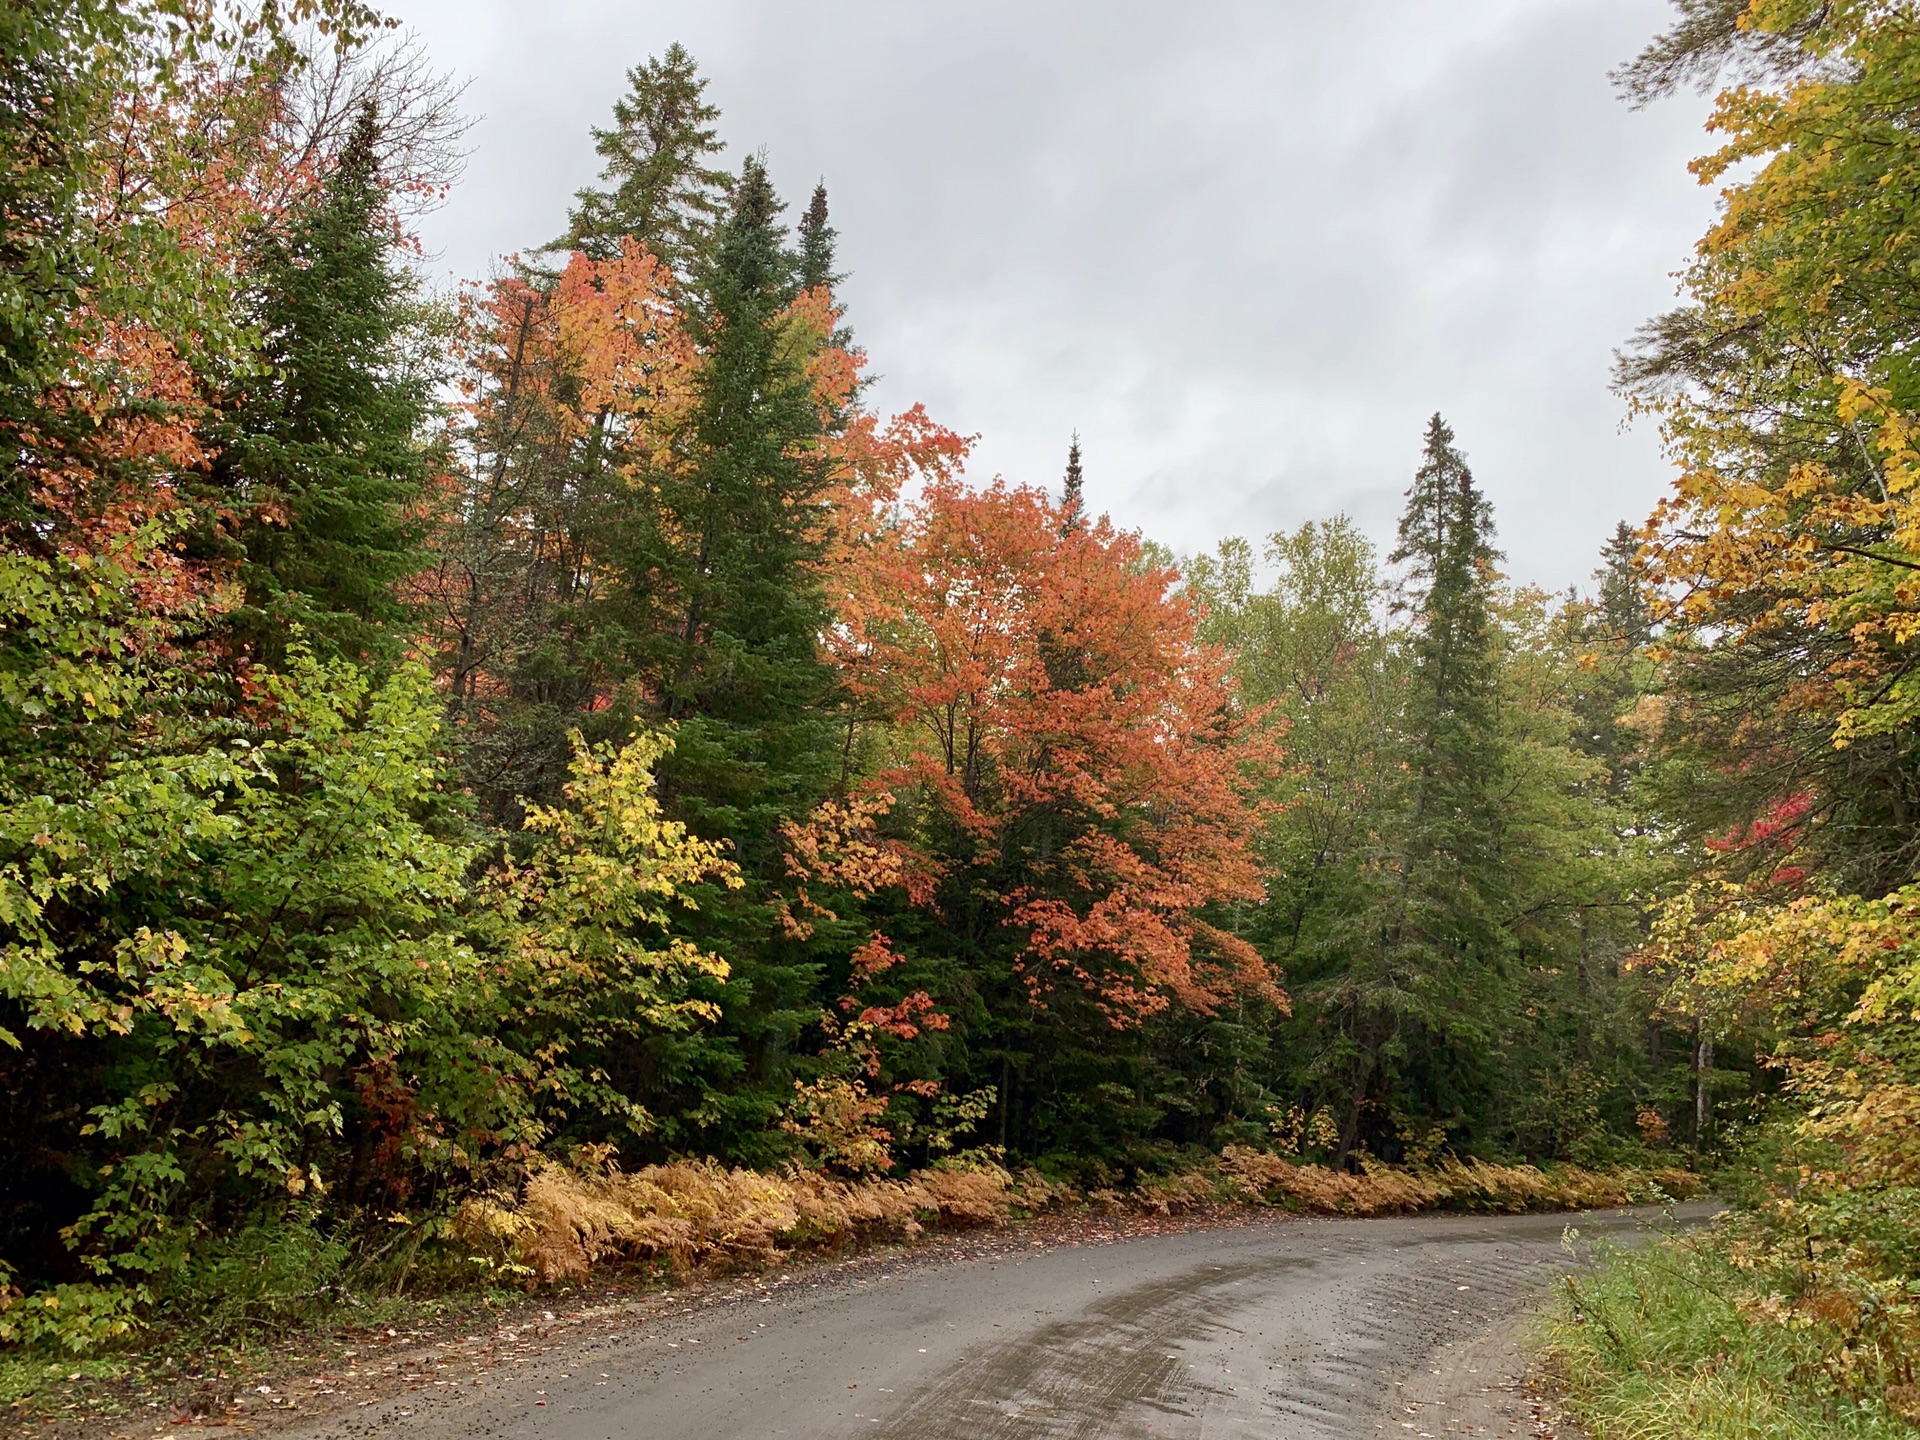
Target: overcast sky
(1245,247)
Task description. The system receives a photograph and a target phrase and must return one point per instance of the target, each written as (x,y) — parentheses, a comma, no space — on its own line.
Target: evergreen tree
(817,239)
(1073,491)
(1615,628)
(325,451)
(744,508)
(656,183)
(739,671)
(1444,935)
(1419,1001)
(1446,549)
(1622,595)
(1439,887)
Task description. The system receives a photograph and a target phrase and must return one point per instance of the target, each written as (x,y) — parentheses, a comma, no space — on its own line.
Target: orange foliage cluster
(696,1214)
(114,485)
(616,330)
(1041,677)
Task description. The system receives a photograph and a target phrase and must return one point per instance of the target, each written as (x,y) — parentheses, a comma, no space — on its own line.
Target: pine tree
(656,184)
(325,451)
(1073,491)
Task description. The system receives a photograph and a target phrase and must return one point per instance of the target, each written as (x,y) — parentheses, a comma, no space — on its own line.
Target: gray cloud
(1246,248)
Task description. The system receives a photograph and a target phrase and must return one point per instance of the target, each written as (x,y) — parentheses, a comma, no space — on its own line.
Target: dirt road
(1284,1329)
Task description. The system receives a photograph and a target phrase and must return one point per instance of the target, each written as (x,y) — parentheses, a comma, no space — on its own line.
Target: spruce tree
(656,183)
(817,248)
(1445,546)
(739,672)
(742,656)
(817,239)
(1073,491)
(1444,940)
(1419,999)
(1613,630)
(1622,597)
(325,449)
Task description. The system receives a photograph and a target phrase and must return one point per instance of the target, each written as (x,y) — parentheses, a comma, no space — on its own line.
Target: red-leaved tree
(1061,818)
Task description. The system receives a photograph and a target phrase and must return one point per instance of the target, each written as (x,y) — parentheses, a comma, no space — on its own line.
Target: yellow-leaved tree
(1786,569)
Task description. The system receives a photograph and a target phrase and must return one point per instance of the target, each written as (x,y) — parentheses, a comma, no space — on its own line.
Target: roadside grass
(1670,1342)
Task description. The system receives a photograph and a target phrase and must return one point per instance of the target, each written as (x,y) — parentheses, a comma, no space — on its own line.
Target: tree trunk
(1702,1100)
(1350,1130)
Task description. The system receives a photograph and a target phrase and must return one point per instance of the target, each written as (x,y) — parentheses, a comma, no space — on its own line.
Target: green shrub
(73,1318)
(265,1276)
(253,976)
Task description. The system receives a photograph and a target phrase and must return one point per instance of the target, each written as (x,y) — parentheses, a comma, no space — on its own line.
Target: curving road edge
(1278,1327)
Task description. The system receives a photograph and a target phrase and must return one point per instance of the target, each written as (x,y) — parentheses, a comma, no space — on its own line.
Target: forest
(447,739)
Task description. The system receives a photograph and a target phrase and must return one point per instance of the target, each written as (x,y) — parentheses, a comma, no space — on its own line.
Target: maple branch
(1871,555)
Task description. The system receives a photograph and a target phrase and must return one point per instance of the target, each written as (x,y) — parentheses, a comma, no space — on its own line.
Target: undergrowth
(566,1222)
(1677,1342)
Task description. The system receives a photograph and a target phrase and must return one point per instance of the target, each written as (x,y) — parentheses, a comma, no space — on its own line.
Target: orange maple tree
(1063,752)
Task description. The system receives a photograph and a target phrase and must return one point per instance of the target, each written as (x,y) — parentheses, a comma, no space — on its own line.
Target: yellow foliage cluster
(1834,982)
(1805,549)
(1837,979)
(698,1214)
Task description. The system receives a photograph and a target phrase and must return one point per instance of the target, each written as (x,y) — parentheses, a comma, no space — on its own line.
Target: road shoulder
(1486,1386)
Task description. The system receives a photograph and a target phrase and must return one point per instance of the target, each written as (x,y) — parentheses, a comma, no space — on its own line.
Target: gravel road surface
(1281,1329)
